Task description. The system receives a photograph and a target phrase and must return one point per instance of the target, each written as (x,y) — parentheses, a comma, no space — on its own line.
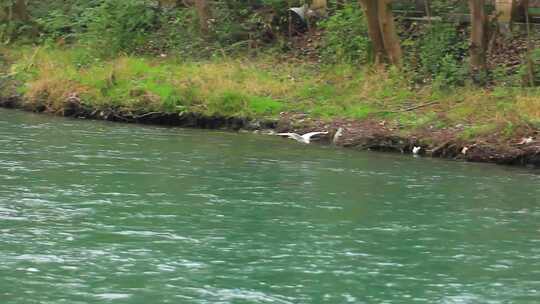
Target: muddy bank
(360,135)
(377,135)
(188,120)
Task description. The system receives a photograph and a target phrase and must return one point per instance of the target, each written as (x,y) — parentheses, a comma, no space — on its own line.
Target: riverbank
(377,110)
(359,135)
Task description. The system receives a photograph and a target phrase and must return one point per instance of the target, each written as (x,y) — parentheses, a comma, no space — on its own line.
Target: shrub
(440,53)
(115,26)
(531,69)
(265,105)
(450,72)
(346,38)
(228,103)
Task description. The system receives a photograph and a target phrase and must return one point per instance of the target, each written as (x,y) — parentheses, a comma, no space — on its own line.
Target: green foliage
(360,111)
(115,26)
(228,103)
(231,103)
(413,120)
(440,53)
(435,53)
(57,25)
(531,68)
(237,88)
(265,105)
(445,7)
(345,37)
(478,130)
(451,72)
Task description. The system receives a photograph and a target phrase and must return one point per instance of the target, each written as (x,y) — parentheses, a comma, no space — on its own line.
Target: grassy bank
(264,87)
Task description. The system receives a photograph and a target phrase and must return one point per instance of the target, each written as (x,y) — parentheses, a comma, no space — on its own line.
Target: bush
(440,53)
(116,26)
(531,69)
(450,72)
(228,103)
(265,105)
(346,38)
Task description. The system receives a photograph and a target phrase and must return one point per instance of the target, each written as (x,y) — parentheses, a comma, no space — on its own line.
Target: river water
(94,212)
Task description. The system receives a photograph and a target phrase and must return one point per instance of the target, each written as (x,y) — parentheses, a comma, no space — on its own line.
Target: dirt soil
(378,136)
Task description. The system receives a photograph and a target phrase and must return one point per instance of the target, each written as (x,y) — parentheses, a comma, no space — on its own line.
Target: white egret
(338,134)
(305,139)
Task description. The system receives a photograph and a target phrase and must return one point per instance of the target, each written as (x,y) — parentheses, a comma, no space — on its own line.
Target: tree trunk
(389,33)
(20,11)
(478,35)
(17,11)
(382,30)
(203,11)
(371,12)
(505,11)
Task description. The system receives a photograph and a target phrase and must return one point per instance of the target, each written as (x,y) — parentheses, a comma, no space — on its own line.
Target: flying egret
(305,139)
(416,150)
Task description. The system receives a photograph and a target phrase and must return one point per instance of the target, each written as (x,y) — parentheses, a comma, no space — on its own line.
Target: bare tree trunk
(389,33)
(371,12)
(382,30)
(478,34)
(203,11)
(20,11)
(17,11)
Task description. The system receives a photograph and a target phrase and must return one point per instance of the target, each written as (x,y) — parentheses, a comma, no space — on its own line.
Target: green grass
(262,88)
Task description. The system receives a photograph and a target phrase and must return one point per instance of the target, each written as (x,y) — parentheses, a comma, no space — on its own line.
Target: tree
(14,13)
(203,11)
(15,10)
(20,11)
(382,30)
(479,35)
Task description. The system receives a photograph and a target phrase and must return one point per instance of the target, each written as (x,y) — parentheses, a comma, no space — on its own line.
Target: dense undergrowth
(138,57)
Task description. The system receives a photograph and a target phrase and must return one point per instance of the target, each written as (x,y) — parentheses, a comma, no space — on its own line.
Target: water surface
(94,212)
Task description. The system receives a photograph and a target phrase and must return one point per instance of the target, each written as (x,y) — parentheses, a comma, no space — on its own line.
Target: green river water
(94,212)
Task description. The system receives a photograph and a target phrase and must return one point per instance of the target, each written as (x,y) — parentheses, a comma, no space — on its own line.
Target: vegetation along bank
(457,79)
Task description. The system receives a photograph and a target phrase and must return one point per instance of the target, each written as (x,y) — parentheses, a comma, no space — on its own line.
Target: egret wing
(311,134)
(291,135)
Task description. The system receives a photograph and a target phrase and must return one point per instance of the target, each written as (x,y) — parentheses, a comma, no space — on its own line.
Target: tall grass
(264,87)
